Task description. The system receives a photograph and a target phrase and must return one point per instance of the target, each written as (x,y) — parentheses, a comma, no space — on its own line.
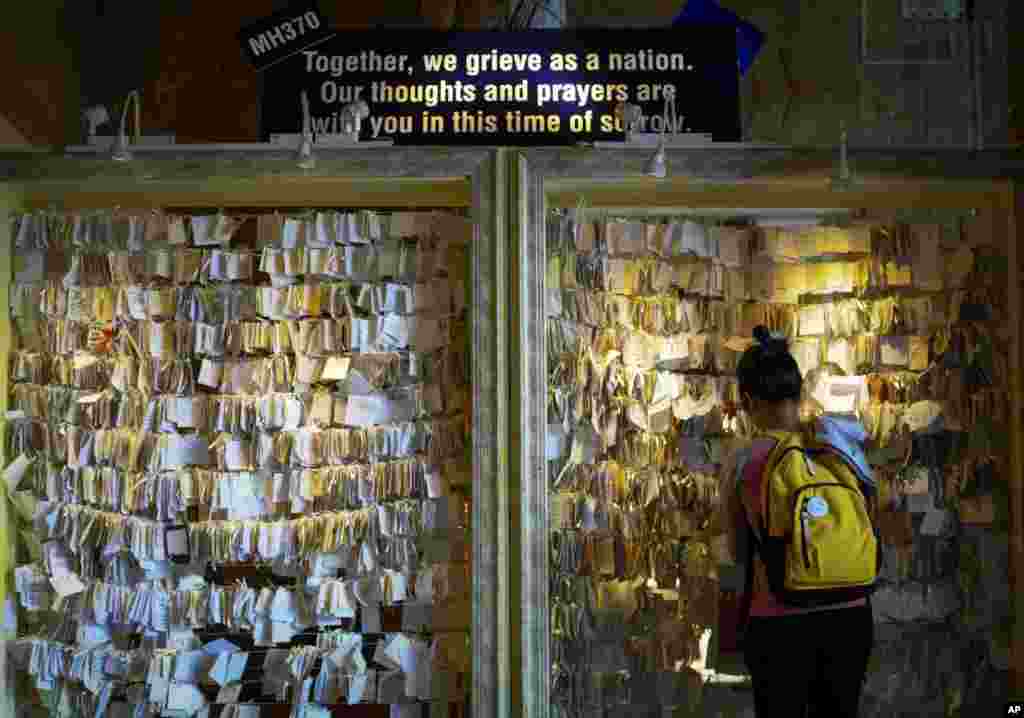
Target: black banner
(540,87)
(283,34)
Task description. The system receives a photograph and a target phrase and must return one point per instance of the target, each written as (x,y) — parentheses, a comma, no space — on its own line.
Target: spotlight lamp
(843,177)
(657,165)
(629,116)
(306,158)
(122,148)
(95,117)
(352,116)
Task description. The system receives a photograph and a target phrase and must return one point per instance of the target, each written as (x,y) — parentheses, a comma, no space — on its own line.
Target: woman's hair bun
(770,342)
(762,335)
(767,371)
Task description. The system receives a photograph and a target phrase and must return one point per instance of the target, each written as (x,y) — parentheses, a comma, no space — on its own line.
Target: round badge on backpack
(817,507)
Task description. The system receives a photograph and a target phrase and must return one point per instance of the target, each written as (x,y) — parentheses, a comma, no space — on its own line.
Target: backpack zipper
(803,523)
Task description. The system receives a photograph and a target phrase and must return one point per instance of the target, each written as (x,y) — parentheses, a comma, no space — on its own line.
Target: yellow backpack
(816,538)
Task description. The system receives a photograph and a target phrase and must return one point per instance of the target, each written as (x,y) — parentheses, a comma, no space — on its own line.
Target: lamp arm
(132,100)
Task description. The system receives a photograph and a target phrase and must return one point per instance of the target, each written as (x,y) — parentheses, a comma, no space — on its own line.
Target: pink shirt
(762,601)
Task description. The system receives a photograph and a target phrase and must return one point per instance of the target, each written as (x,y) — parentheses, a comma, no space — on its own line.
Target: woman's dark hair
(767,371)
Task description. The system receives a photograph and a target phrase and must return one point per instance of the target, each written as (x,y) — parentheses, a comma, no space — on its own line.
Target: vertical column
(491,488)
(1012,206)
(9,201)
(529,401)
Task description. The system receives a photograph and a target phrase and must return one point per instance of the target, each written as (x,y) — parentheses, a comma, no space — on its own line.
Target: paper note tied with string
(16,471)
(229,667)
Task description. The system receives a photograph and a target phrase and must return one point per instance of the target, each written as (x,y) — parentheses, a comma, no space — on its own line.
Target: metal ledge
(749,163)
(715,163)
(184,162)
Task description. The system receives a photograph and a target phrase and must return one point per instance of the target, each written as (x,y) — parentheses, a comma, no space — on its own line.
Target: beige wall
(9,134)
(906,84)
(38,52)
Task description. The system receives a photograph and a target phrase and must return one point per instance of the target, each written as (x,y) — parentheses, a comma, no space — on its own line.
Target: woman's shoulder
(847,427)
(757,449)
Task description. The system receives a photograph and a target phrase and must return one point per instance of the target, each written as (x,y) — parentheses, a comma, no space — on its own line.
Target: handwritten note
(935,522)
(229,667)
(895,351)
(210,373)
(336,368)
(16,471)
(236,455)
(840,395)
(188,451)
(67,584)
(185,698)
(367,410)
(229,694)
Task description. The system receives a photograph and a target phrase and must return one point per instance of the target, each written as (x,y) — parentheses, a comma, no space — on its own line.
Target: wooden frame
(380,178)
(715,177)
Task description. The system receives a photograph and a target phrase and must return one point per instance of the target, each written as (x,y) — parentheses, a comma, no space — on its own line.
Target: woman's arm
(729,520)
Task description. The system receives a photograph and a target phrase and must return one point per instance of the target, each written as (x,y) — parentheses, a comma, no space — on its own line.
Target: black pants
(809,665)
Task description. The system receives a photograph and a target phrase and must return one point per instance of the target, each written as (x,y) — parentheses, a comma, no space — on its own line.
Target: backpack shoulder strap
(820,448)
(785,443)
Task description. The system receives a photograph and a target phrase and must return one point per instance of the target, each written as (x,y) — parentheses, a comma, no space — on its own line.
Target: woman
(802,661)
